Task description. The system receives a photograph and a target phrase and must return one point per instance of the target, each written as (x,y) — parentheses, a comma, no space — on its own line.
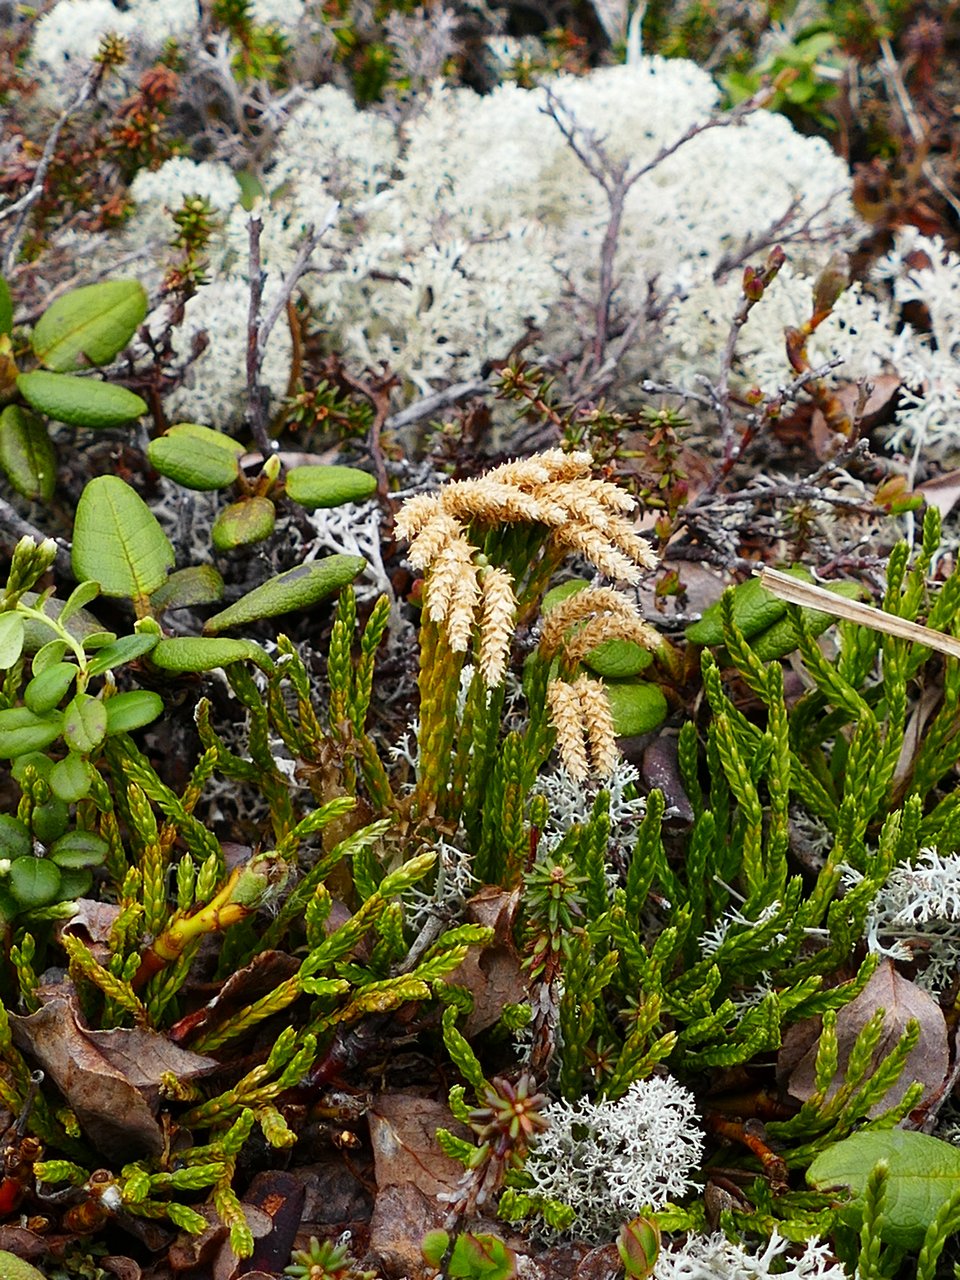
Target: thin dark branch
(21,208)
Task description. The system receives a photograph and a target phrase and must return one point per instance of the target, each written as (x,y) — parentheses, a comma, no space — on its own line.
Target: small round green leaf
(45,691)
(618,659)
(84,723)
(243,523)
(196,457)
(118,542)
(80,402)
(184,654)
(50,819)
(11,639)
(34,882)
(15,841)
(75,882)
(27,455)
(197,584)
(51,653)
(328,486)
(79,849)
(298,588)
(637,707)
(126,649)
(79,598)
(89,325)
(784,636)
(556,595)
(22,731)
(31,760)
(71,778)
(129,711)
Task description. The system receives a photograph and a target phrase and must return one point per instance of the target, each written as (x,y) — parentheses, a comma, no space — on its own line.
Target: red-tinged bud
(668,584)
(753,396)
(796,342)
(663,527)
(639,1247)
(753,285)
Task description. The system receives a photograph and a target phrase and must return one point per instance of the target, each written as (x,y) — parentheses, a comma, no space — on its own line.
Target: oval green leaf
(328,486)
(79,849)
(197,584)
(51,653)
(75,882)
(118,542)
(784,636)
(298,588)
(126,649)
(89,325)
(924,1173)
(71,778)
(618,659)
(754,609)
(11,639)
(196,457)
(22,731)
(35,760)
(84,723)
(185,654)
(45,690)
(50,819)
(15,839)
(34,882)
(243,523)
(27,455)
(81,402)
(129,711)
(637,707)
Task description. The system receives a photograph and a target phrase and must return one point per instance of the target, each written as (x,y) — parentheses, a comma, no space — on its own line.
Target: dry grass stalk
(811,597)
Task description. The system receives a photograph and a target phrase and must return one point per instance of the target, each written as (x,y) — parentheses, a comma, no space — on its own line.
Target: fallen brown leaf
(109,1078)
(902,1001)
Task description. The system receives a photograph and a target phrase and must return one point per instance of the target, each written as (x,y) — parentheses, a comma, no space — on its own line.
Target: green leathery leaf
(298,588)
(636,706)
(34,882)
(556,595)
(80,402)
(196,456)
(45,690)
(132,710)
(27,455)
(616,659)
(783,637)
(21,731)
(6,308)
(89,325)
(84,723)
(75,882)
(71,778)
(924,1173)
(118,542)
(15,841)
(319,486)
(126,649)
(79,849)
(184,654)
(51,653)
(754,609)
(79,598)
(197,584)
(11,639)
(242,523)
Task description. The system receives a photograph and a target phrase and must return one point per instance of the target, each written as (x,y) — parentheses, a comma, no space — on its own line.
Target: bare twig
(616,180)
(21,208)
(259,330)
(430,405)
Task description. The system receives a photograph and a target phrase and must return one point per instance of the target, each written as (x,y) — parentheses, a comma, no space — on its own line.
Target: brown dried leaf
(405,1149)
(902,1001)
(941,492)
(262,975)
(492,974)
(92,923)
(92,1069)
